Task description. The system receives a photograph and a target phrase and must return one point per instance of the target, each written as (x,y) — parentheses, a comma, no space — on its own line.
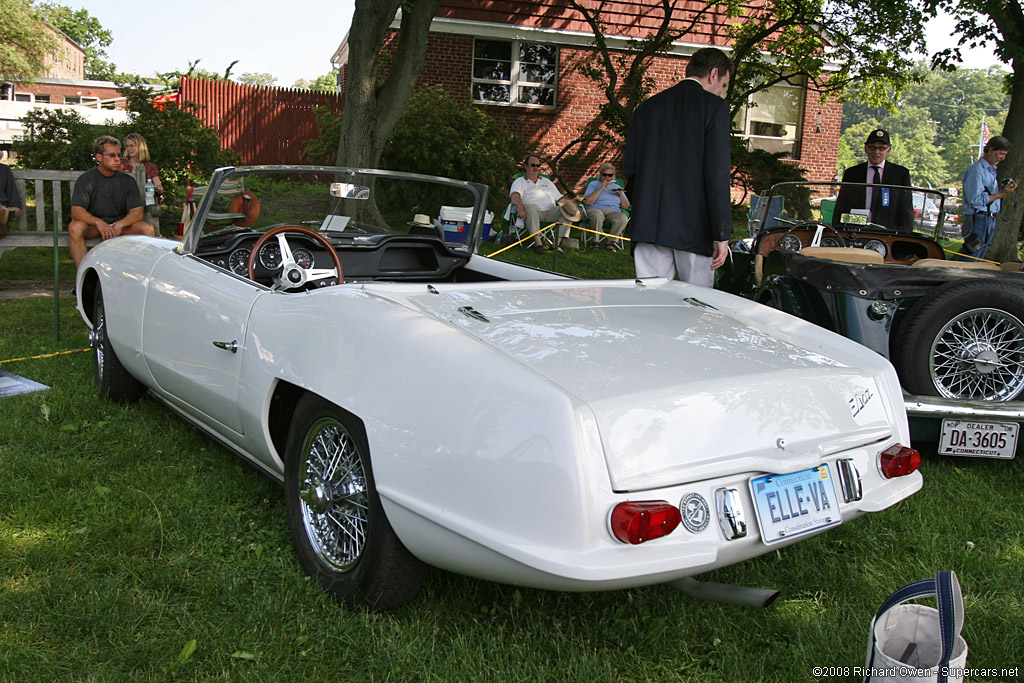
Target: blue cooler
(455,223)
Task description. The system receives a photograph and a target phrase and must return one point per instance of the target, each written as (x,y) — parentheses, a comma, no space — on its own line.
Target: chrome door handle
(231,346)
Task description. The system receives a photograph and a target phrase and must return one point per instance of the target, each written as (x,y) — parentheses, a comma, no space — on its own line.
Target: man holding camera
(983,197)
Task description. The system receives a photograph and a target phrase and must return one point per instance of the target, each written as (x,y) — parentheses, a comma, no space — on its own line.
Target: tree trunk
(1004,244)
(376,92)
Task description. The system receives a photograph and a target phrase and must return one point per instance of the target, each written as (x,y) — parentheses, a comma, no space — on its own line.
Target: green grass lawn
(134,548)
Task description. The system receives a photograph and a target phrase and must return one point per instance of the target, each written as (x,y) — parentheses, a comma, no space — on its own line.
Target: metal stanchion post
(56,274)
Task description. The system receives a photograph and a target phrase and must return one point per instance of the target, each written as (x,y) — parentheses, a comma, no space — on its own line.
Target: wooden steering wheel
(292,275)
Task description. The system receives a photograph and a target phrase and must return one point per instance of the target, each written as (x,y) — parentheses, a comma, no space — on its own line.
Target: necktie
(876,194)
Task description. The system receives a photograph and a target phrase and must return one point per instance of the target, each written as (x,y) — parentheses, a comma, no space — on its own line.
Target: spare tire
(964,341)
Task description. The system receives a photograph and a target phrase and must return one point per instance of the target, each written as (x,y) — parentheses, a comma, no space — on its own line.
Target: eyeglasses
(877,148)
(608,175)
(534,165)
(113,155)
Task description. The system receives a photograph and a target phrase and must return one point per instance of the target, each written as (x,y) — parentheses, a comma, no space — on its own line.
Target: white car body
(505,417)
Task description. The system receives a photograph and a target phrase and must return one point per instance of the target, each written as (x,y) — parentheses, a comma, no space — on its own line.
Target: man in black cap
(886,206)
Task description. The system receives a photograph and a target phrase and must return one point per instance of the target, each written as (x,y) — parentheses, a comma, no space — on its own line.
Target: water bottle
(150,193)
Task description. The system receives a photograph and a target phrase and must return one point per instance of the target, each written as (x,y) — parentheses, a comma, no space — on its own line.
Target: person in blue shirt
(605,200)
(983,197)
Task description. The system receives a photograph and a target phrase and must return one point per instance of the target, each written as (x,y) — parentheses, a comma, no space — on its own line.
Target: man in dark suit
(677,165)
(886,206)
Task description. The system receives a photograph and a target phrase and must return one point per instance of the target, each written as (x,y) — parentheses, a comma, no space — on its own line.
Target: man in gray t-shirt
(106,203)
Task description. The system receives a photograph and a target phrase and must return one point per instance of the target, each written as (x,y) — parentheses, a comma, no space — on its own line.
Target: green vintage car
(952,326)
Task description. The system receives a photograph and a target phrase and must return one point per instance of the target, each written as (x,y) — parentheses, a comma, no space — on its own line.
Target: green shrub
(180,144)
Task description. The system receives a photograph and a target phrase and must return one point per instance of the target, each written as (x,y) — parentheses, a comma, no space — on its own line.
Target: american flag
(984,134)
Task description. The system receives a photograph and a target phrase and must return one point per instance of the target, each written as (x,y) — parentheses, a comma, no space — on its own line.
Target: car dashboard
(364,258)
(895,248)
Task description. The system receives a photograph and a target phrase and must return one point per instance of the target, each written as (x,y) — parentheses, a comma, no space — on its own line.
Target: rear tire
(964,341)
(341,534)
(112,379)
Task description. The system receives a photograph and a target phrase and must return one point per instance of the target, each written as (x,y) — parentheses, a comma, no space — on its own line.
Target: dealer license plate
(979,439)
(789,505)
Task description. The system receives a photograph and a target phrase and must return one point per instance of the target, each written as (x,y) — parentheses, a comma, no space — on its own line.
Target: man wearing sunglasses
(886,206)
(537,199)
(106,203)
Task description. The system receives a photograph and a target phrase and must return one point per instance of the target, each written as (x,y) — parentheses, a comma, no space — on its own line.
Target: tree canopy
(999,23)
(258,78)
(24,41)
(325,83)
(935,124)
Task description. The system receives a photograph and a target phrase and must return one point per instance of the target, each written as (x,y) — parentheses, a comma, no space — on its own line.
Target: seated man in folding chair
(605,200)
(537,199)
(106,203)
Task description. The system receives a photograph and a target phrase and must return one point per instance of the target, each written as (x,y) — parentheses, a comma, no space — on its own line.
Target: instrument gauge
(303,257)
(238,261)
(270,256)
(831,242)
(876,245)
(790,243)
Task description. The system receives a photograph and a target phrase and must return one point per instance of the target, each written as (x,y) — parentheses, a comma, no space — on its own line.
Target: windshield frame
(937,196)
(193,232)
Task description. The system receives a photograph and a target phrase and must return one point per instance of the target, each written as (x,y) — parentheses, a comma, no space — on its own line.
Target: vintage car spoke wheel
(112,379)
(965,341)
(337,523)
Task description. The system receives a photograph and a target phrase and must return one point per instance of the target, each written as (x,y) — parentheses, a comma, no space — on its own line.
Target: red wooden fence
(263,125)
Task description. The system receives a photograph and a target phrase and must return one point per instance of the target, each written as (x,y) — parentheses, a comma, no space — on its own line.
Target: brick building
(63,86)
(517,60)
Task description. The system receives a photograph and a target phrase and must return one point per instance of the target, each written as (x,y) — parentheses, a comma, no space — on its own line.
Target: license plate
(789,505)
(975,439)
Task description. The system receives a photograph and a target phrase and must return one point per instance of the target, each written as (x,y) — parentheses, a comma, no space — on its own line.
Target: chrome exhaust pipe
(744,596)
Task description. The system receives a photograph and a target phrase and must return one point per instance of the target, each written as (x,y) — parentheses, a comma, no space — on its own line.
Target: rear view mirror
(349,191)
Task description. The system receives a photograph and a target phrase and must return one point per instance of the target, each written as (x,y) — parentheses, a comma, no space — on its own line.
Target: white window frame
(751,138)
(515,83)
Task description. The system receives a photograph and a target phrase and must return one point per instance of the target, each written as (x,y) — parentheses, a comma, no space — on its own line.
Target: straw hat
(421,220)
(570,211)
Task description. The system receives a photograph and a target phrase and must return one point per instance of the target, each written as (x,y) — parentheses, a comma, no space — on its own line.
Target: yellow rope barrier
(548,227)
(976,258)
(45,355)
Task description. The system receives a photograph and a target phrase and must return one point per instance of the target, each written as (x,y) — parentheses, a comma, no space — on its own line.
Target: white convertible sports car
(425,405)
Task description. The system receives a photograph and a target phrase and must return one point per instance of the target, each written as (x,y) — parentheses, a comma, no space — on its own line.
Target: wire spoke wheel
(979,354)
(333,495)
(965,341)
(341,533)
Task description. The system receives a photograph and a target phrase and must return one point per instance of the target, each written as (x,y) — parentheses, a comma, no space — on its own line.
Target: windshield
(359,204)
(853,206)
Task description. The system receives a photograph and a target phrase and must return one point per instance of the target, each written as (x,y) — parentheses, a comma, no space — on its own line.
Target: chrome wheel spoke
(333,495)
(979,354)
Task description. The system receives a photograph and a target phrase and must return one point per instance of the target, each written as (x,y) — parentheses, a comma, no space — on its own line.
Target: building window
(74,99)
(771,119)
(22,97)
(515,73)
(43,99)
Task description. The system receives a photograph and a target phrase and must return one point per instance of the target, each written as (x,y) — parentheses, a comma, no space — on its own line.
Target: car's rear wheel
(965,341)
(114,382)
(337,523)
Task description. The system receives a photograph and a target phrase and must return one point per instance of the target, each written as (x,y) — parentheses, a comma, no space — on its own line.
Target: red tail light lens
(640,521)
(899,461)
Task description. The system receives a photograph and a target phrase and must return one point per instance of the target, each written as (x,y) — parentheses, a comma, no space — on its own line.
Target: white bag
(917,642)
